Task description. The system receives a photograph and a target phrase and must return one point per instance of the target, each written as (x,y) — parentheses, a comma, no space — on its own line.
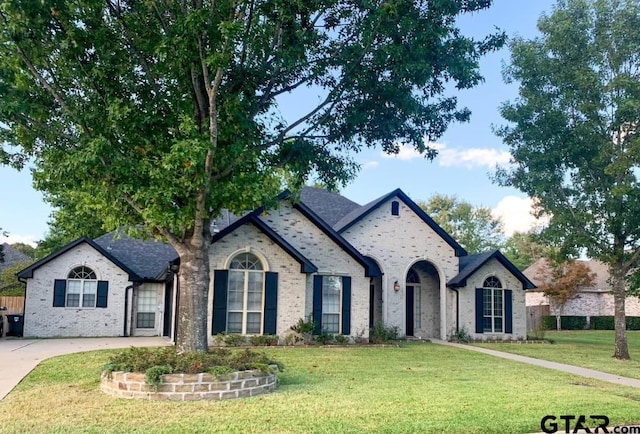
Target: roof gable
(330,207)
(306,266)
(28,272)
(471,263)
(358,214)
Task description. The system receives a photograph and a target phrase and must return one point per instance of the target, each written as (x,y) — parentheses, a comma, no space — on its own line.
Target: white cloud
(471,157)
(405,153)
(468,158)
(26,239)
(370,165)
(515,213)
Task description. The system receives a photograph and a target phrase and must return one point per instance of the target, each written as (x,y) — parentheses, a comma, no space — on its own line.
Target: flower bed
(190,387)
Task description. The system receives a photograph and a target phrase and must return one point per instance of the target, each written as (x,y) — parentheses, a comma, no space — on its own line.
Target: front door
(410,317)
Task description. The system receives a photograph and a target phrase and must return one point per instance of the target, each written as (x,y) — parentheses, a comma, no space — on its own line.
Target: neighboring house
(594,300)
(323,257)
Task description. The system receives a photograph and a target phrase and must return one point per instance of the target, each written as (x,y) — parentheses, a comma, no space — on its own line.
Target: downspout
(24,306)
(457,309)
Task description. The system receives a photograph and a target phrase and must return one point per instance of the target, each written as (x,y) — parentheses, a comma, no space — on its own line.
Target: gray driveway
(19,356)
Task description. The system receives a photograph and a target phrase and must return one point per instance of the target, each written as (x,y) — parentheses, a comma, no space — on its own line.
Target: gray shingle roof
(330,207)
(471,263)
(147,258)
(12,256)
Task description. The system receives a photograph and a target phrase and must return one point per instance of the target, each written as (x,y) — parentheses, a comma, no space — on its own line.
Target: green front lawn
(415,388)
(587,348)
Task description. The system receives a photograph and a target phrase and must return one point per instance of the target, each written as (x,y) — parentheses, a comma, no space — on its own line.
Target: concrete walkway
(19,356)
(576,370)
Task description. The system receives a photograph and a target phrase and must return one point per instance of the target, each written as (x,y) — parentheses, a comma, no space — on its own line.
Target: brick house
(321,256)
(594,300)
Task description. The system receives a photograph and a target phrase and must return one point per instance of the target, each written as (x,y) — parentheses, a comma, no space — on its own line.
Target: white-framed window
(331,304)
(245,295)
(493,305)
(82,288)
(146,309)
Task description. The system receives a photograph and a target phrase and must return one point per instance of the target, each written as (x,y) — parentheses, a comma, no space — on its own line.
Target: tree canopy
(573,133)
(162,113)
(474,227)
(525,248)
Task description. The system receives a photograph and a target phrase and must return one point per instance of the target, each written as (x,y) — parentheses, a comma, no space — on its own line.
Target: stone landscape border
(189,387)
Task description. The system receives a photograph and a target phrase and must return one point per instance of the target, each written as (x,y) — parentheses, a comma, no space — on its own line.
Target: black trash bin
(16,324)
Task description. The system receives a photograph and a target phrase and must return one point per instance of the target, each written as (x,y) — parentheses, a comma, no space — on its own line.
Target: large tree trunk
(619,294)
(192,309)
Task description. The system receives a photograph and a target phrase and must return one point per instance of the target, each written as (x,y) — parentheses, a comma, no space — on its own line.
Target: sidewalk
(19,356)
(576,370)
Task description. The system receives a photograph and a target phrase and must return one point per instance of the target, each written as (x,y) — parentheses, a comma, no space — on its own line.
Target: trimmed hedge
(607,323)
(566,322)
(595,323)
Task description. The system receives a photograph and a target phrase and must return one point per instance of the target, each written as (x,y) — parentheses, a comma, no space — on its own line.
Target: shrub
(158,361)
(538,333)
(231,340)
(381,333)
(264,340)
(461,336)
(153,376)
(602,323)
(633,323)
(323,338)
(341,339)
(566,322)
(304,327)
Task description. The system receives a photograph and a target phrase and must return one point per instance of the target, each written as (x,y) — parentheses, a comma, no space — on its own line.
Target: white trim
(247,249)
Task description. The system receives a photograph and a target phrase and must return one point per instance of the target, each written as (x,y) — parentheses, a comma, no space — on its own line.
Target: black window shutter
(59,292)
(220,281)
(346,305)
(103,291)
(508,311)
(317,304)
(270,302)
(479,311)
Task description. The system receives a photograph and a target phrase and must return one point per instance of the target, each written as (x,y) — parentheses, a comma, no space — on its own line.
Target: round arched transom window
(245,296)
(493,305)
(82,287)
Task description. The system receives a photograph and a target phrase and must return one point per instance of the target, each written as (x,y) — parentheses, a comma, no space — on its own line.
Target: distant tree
(25,249)
(573,133)
(3,233)
(524,248)
(9,283)
(162,113)
(562,282)
(473,227)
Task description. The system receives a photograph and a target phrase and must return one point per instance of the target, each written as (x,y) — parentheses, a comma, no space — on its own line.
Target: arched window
(412,276)
(245,295)
(82,287)
(493,305)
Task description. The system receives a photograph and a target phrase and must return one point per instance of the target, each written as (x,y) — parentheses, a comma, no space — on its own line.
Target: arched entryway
(422,313)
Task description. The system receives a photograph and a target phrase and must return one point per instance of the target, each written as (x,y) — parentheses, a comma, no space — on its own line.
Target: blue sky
(468,152)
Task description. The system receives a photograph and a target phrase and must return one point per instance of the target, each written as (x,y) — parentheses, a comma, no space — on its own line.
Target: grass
(587,348)
(414,388)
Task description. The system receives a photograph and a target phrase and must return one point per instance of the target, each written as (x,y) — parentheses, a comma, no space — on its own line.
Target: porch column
(443,308)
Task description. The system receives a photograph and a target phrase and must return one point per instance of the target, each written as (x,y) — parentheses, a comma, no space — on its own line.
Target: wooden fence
(13,305)
(534,316)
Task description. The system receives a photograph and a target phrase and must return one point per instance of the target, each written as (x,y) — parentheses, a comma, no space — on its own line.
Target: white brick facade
(44,320)
(467,301)
(400,244)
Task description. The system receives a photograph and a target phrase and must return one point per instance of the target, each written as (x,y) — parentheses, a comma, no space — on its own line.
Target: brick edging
(189,387)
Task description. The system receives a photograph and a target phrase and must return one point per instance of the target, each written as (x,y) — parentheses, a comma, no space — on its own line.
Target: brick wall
(398,242)
(43,320)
